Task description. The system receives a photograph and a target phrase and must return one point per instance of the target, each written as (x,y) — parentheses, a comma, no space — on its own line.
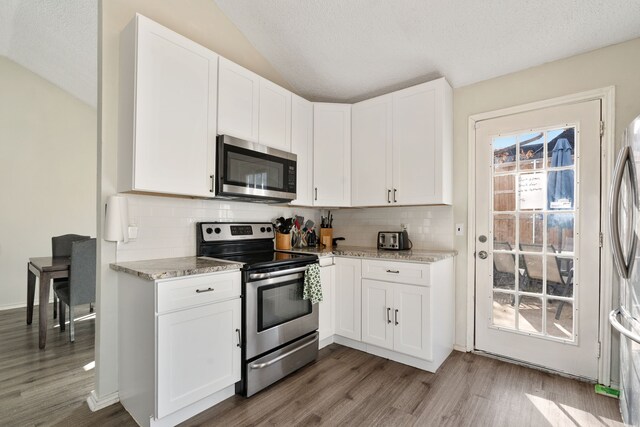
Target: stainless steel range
(279,327)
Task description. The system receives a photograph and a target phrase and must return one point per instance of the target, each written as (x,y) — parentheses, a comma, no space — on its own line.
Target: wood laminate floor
(343,387)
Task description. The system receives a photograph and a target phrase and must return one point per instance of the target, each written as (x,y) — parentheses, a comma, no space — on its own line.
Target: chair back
(82,276)
(533,263)
(503,263)
(61,245)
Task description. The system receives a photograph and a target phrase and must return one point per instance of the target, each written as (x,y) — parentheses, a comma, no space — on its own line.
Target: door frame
(607,97)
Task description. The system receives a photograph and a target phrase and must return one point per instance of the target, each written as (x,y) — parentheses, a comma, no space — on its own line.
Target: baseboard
(95,403)
(12,306)
(460,348)
(325,342)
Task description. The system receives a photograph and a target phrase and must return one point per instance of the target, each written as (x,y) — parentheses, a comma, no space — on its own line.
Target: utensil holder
(283,241)
(326,237)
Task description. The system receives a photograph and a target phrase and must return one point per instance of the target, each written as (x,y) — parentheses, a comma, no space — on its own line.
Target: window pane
(504,313)
(533,273)
(504,193)
(560,189)
(560,319)
(531,188)
(530,309)
(504,153)
(531,231)
(561,147)
(504,232)
(531,149)
(559,276)
(504,271)
(560,231)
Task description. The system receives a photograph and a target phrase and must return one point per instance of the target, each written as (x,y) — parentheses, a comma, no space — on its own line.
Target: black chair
(82,282)
(61,246)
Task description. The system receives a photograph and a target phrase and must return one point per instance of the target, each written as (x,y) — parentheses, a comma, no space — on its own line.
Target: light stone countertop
(166,268)
(426,256)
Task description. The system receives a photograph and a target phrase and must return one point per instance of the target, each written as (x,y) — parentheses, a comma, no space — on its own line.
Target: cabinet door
(198,354)
(412,320)
(421,145)
(302,146)
(238,101)
(174,113)
(377,313)
(274,116)
(327,277)
(371,181)
(348,298)
(332,154)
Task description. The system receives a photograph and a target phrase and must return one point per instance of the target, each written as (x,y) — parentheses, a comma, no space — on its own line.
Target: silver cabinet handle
(393,271)
(255,276)
(613,319)
(394,195)
(316,193)
(200,291)
(625,158)
(388,315)
(396,317)
(212,182)
(238,332)
(282,356)
(388,196)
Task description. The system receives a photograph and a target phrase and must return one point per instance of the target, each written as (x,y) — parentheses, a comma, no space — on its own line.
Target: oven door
(276,313)
(249,170)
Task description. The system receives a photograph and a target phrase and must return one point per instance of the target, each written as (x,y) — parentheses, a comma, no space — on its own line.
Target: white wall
(429,227)
(47,172)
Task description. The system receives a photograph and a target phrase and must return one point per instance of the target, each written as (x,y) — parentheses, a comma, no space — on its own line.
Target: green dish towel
(312,286)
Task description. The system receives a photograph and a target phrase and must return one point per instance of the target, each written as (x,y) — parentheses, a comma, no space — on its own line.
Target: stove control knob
(268,229)
(209,230)
(217,230)
(262,229)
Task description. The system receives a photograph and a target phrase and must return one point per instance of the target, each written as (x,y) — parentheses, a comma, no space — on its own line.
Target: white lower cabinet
(178,344)
(397,317)
(326,306)
(348,297)
(198,353)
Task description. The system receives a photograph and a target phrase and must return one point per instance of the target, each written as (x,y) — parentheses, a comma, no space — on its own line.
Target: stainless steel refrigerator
(625,229)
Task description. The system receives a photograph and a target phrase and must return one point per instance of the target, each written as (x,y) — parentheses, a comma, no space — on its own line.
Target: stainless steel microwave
(253,172)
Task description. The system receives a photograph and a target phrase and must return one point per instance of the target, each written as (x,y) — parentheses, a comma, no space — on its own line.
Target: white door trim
(607,96)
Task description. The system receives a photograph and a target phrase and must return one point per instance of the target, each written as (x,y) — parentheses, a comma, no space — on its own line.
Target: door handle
(388,196)
(613,319)
(396,316)
(394,195)
(388,315)
(316,198)
(482,254)
(213,182)
(239,340)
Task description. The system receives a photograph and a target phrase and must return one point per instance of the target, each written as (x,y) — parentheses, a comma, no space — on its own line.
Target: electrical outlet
(460,229)
(404,227)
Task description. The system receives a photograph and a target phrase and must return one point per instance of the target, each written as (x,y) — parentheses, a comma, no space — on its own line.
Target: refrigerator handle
(623,265)
(613,319)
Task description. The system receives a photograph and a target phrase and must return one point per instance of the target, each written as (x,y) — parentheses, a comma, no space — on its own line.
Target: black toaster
(394,240)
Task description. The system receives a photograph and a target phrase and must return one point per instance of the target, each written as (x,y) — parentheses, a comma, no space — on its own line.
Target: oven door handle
(257,276)
(282,356)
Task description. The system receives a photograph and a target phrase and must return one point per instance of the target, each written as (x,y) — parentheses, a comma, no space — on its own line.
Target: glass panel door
(280,303)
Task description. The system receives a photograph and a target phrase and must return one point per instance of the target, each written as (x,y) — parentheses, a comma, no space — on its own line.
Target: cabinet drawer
(195,290)
(393,271)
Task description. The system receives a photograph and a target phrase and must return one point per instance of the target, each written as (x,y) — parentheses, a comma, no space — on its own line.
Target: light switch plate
(133,232)
(460,229)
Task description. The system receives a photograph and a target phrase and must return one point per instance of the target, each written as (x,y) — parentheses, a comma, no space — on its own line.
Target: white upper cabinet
(423,144)
(238,101)
(371,179)
(331,154)
(275,116)
(302,146)
(167,112)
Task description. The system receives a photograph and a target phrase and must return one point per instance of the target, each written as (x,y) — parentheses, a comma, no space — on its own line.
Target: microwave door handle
(614,214)
(613,319)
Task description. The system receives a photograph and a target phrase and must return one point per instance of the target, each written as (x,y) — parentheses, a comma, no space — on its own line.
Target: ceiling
(348,50)
(56,39)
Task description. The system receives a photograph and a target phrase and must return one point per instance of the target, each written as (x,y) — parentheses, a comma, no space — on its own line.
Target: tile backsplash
(166,225)
(429,227)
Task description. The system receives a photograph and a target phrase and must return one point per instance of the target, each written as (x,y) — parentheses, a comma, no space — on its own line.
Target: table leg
(31,293)
(45,284)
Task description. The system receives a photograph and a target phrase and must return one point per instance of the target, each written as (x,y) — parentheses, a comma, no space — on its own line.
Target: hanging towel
(312,286)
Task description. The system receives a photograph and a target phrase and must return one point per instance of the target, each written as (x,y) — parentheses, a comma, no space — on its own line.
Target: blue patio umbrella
(560,184)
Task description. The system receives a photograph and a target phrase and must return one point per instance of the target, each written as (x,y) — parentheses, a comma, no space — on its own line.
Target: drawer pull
(393,271)
(199,291)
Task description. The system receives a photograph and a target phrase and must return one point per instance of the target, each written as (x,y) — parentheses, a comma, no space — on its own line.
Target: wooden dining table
(44,268)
